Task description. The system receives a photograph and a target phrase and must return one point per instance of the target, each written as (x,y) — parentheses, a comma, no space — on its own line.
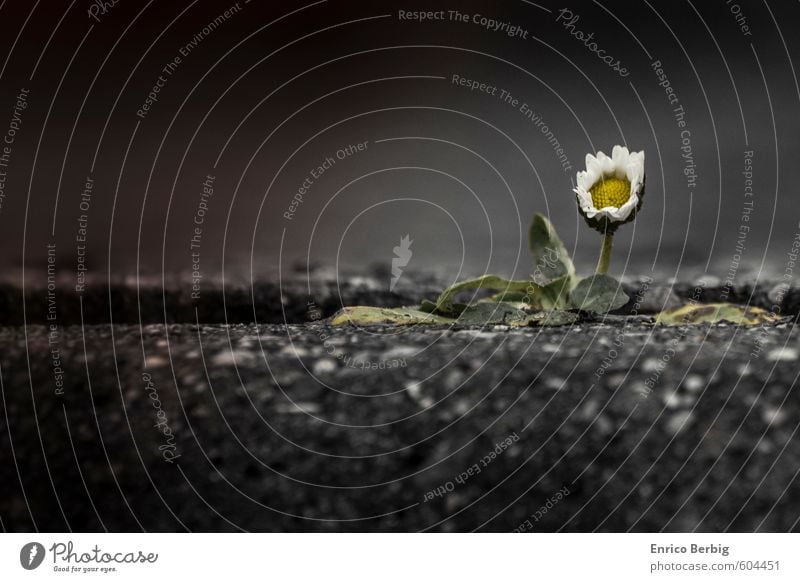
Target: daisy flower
(609,194)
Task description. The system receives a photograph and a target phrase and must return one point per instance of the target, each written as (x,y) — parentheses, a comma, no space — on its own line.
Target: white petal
(593,164)
(620,155)
(588,178)
(624,211)
(585,202)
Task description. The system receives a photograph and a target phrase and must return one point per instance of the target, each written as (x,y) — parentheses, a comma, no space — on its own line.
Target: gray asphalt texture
(615,425)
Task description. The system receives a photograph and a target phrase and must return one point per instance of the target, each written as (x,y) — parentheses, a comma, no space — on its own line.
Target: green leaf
(445,301)
(484,313)
(552,318)
(491,313)
(599,294)
(427,306)
(555,295)
(715,313)
(514,297)
(550,258)
(362,315)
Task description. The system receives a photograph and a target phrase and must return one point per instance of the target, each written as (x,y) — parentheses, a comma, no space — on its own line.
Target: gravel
(304,427)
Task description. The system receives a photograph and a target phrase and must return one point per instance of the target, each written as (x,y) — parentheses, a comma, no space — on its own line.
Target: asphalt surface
(613,426)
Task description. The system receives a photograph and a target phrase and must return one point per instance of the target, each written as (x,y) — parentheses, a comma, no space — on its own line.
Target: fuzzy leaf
(550,258)
(514,297)
(362,315)
(715,313)
(491,313)
(599,294)
(552,318)
(483,313)
(445,301)
(555,295)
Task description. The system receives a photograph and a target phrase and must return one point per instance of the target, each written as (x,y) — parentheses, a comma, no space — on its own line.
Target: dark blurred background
(264,95)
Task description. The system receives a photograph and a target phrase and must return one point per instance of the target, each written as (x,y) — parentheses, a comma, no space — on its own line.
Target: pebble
(679,421)
(461,407)
(672,400)
(694,383)
(400,352)
(297,408)
(230,358)
(765,447)
(783,355)
(589,410)
(603,426)
(615,380)
(324,366)
(555,383)
(155,362)
(773,416)
(476,334)
(453,379)
(414,390)
(294,350)
(650,365)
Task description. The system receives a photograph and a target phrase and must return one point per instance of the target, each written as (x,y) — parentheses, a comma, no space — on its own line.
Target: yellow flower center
(612,192)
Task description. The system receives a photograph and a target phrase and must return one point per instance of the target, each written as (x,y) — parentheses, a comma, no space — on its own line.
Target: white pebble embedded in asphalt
(297,408)
(324,366)
(694,383)
(773,416)
(414,390)
(155,362)
(400,352)
(783,355)
(679,421)
(672,400)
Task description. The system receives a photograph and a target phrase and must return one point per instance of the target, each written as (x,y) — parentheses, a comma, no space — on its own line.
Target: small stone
(765,447)
(589,410)
(297,408)
(555,383)
(414,390)
(650,365)
(453,379)
(615,380)
(672,400)
(461,407)
(603,425)
(294,350)
(679,421)
(324,366)
(400,352)
(773,416)
(783,355)
(155,362)
(475,334)
(694,383)
(229,358)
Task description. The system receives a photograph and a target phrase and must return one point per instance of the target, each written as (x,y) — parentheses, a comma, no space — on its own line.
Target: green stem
(605,253)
